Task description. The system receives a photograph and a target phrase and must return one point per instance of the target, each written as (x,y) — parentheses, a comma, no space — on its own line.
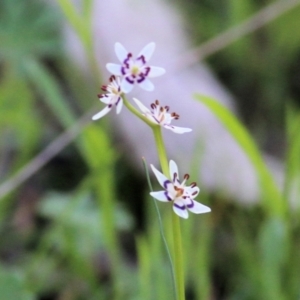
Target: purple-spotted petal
(192,191)
(147,51)
(102,113)
(173,169)
(162,179)
(141,106)
(126,86)
(146,85)
(119,105)
(114,69)
(161,196)
(196,207)
(180,209)
(156,71)
(178,130)
(121,52)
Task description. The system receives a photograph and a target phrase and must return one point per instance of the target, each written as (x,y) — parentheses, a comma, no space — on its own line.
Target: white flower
(181,195)
(135,70)
(111,97)
(160,115)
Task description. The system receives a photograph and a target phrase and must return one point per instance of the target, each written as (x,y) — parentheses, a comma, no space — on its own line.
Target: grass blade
(271,197)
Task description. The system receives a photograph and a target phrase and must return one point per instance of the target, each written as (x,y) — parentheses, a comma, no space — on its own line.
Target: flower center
(179,191)
(161,116)
(135,70)
(115,91)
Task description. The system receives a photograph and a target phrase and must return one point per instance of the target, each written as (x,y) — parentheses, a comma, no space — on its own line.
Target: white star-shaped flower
(160,115)
(177,192)
(135,71)
(111,97)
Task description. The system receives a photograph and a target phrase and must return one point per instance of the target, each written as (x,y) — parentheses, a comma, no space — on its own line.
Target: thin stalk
(177,242)
(161,229)
(83,27)
(161,149)
(137,113)
(178,256)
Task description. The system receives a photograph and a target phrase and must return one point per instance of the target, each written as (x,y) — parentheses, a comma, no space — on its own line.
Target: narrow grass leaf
(48,87)
(292,167)
(144,257)
(271,196)
(160,226)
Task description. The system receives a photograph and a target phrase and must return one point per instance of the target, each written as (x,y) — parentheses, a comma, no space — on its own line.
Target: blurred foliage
(83,227)
(260,69)
(27,29)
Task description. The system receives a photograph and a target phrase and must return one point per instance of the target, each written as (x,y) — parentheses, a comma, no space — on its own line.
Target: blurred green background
(65,234)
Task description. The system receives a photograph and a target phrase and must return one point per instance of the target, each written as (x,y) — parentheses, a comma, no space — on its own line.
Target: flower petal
(156,71)
(147,51)
(126,86)
(141,106)
(162,179)
(146,85)
(106,99)
(192,191)
(180,209)
(114,69)
(196,207)
(121,52)
(173,169)
(163,196)
(177,129)
(102,113)
(167,119)
(119,105)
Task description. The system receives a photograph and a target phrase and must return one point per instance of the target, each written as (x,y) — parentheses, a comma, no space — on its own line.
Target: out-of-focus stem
(177,242)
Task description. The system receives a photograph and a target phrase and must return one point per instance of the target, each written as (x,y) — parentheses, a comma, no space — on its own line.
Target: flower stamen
(181,195)
(111,97)
(160,115)
(135,71)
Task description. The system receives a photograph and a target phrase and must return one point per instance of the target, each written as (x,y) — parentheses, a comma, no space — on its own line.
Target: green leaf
(273,244)
(292,173)
(72,15)
(28,28)
(47,85)
(81,24)
(12,285)
(270,193)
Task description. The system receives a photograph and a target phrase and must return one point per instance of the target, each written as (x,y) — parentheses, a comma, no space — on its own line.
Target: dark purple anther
(174,176)
(142,58)
(147,71)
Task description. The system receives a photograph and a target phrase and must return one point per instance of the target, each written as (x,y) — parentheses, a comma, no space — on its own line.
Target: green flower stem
(161,226)
(162,154)
(136,112)
(177,242)
(178,257)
